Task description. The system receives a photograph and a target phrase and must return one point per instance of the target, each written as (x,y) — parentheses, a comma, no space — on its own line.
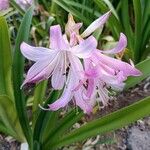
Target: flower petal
(76,67)
(56,39)
(91,87)
(35,53)
(62,101)
(121,45)
(116,64)
(41,70)
(103,94)
(59,76)
(81,102)
(4,4)
(66,96)
(85,48)
(96,24)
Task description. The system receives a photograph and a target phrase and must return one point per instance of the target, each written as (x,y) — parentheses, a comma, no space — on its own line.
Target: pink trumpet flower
(103,72)
(78,96)
(4,4)
(55,60)
(84,83)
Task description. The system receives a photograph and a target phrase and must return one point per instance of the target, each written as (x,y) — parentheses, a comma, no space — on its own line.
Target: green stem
(39,94)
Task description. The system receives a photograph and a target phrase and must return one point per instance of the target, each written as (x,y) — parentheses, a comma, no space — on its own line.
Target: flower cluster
(75,65)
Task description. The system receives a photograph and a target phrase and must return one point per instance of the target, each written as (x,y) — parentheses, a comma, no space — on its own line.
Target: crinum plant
(78,70)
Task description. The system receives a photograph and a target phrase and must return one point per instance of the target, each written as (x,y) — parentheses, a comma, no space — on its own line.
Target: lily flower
(83,83)
(55,60)
(103,72)
(4,4)
(79,96)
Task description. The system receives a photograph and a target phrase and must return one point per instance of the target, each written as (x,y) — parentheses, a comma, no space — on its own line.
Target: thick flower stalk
(4,4)
(75,65)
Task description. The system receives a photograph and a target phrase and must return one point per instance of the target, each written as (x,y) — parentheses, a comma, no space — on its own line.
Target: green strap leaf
(62,127)
(71,10)
(138,29)
(38,97)
(126,23)
(8,118)
(18,70)
(107,123)
(4,129)
(5,60)
(40,123)
(144,68)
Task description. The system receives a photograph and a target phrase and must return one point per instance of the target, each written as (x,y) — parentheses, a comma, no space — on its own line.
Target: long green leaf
(72,11)
(40,123)
(138,29)
(38,97)
(18,70)
(107,123)
(146,12)
(8,116)
(5,60)
(110,6)
(62,127)
(4,129)
(83,7)
(126,23)
(144,68)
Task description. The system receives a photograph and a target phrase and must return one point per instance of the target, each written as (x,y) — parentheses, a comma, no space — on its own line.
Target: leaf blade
(5,64)
(118,119)
(18,69)
(144,68)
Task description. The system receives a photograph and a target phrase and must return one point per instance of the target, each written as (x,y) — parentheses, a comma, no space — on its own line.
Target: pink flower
(4,4)
(54,61)
(84,83)
(78,96)
(69,94)
(103,72)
